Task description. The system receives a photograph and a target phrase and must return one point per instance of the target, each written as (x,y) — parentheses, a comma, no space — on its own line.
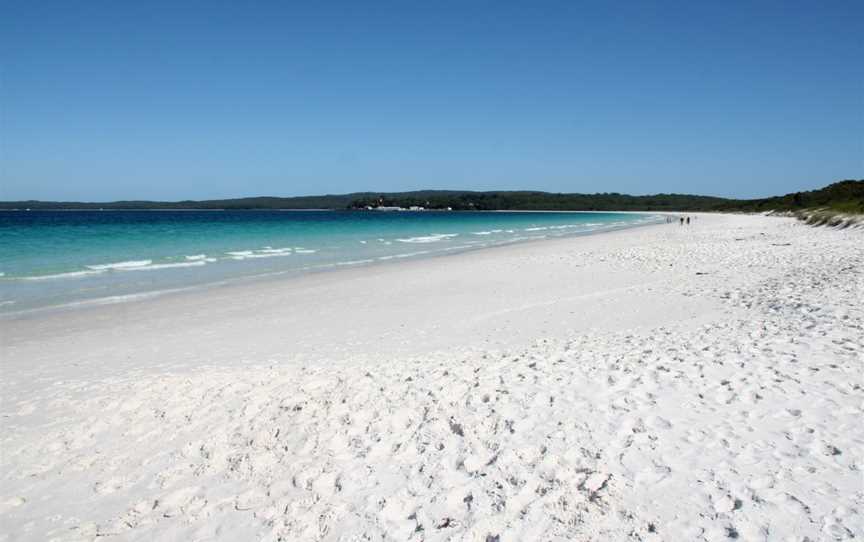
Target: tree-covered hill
(300,202)
(540,201)
(844,196)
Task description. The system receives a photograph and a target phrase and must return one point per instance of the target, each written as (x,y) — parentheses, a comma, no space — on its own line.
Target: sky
(107,100)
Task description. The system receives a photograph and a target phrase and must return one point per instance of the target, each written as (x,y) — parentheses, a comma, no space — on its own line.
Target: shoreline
(291,274)
(359,284)
(677,383)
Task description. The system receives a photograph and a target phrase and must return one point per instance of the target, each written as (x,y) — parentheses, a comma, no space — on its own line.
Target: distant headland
(845,196)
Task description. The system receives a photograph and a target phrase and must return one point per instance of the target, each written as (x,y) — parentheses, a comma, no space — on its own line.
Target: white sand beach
(661,383)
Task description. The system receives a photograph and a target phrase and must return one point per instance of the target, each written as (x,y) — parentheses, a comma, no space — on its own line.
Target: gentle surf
(60,258)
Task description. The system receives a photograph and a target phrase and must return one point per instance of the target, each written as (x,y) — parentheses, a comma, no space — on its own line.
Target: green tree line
(844,196)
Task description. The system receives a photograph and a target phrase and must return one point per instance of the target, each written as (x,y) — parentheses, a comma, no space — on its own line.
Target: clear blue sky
(104,100)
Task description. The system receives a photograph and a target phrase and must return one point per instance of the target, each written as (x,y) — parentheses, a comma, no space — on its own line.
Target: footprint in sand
(175,503)
(11,502)
(109,486)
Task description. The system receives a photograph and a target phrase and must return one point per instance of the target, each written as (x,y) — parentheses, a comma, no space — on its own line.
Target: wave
(472,245)
(405,255)
(70,275)
(268,252)
(98,270)
(120,265)
(354,262)
(434,238)
(259,255)
(195,263)
(110,300)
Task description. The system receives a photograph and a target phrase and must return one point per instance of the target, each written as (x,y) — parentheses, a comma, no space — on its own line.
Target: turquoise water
(51,258)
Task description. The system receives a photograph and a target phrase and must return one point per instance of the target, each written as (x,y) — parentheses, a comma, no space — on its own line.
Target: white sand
(666,383)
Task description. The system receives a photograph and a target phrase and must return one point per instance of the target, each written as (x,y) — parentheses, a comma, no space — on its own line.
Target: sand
(664,383)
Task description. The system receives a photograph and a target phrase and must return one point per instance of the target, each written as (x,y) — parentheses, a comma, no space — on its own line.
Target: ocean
(66,258)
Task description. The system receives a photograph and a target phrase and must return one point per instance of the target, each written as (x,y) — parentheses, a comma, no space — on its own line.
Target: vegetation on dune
(838,205)
(841,197)
(827,217)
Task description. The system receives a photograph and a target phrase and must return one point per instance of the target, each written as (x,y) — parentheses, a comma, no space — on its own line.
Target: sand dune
(666,383)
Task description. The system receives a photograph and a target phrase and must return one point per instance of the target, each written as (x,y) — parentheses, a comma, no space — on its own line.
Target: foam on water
(404,255)
(354,262)
(157,266)
(41,251)
(69,275)
(433,238)
(255,255)
(120,265)
(266,252)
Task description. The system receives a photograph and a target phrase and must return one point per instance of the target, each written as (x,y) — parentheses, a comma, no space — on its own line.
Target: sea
(53,259)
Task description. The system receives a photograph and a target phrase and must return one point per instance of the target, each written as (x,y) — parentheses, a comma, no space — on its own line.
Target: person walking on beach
(680,220)
(688,220)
